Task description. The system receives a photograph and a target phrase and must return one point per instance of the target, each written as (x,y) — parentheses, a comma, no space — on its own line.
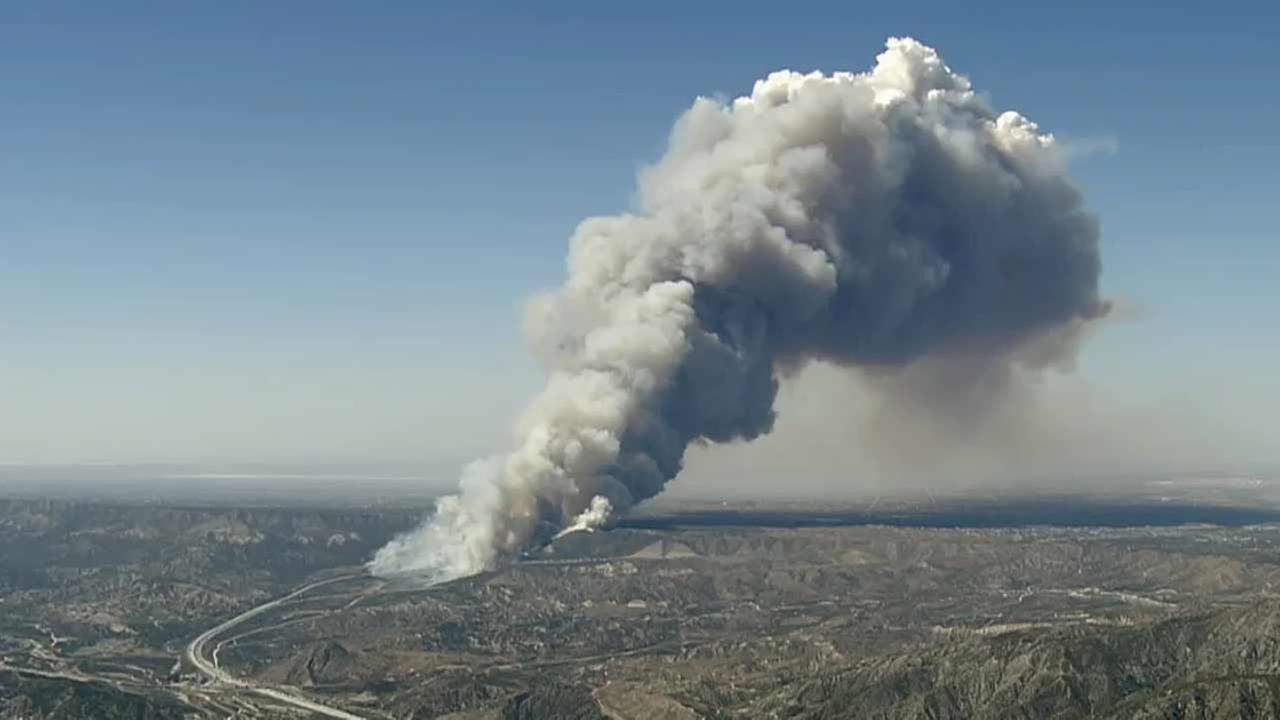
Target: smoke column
(870,220)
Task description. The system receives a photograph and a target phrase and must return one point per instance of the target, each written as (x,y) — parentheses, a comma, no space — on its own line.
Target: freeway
(196,655)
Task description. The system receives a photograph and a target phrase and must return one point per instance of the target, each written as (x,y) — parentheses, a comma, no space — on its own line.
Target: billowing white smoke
(596,514)
(868,219)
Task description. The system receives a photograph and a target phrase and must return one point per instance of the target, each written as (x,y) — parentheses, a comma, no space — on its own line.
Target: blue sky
(300,232)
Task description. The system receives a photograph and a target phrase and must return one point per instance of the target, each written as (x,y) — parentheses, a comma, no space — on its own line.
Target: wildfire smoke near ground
(870,220)
(829,413)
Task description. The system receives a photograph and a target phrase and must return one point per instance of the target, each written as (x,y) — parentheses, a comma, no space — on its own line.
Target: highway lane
(196,651)
(196,656)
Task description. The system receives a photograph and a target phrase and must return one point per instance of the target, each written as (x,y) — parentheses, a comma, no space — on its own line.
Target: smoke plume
(886,220)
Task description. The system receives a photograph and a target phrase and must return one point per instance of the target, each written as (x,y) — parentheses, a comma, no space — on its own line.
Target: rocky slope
(1225,664)
(36,698)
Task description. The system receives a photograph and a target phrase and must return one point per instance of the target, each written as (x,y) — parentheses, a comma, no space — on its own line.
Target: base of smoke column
(571,530)
(547,534)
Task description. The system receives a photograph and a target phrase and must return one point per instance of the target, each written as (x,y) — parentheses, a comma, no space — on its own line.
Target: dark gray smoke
(869,220)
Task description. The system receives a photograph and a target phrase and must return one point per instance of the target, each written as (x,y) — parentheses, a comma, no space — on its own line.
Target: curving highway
(196,655)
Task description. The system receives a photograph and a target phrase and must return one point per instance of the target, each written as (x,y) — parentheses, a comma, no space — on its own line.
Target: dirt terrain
(160,612)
